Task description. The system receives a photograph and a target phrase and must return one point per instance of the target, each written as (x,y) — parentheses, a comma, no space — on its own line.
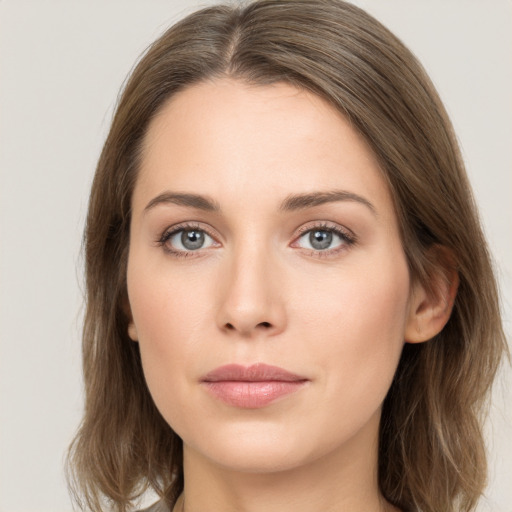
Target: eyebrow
(302,201)
(293,202)
(190,200)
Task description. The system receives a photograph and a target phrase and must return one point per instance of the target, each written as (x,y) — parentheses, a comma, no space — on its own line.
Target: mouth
(252,387)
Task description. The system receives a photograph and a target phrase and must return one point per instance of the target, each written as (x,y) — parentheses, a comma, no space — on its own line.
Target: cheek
(164,300)
(174,315)
(167,313)
(359,323)
(165,320)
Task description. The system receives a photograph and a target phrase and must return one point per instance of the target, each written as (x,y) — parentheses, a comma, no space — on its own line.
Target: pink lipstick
(251,387)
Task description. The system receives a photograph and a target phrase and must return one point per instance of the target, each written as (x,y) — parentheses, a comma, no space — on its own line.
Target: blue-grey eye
(320,240)
(190,240)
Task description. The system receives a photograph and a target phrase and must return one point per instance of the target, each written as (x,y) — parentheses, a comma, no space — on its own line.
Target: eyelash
(347,236)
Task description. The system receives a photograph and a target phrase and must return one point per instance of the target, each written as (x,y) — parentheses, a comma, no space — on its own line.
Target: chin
(249,447)
(268,448)
(257,459)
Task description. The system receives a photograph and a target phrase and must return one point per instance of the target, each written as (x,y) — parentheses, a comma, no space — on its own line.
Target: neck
(343,480)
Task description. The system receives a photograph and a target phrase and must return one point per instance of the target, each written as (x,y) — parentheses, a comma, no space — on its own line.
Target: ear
(430,308)
(127,310)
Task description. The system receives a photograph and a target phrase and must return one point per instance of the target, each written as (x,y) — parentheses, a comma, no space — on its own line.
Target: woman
(290,301)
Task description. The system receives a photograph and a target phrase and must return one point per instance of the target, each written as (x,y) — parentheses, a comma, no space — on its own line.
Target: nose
(251,300)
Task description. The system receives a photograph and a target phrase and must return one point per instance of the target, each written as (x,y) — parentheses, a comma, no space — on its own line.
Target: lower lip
(252,395)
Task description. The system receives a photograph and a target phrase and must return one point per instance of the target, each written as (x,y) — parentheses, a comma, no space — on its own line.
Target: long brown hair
(431,451)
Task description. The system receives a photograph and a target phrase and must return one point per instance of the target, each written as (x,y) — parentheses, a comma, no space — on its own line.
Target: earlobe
(431,309)
(132,331)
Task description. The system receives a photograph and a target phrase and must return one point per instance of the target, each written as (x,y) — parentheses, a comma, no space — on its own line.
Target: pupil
(320,239)
(192,239)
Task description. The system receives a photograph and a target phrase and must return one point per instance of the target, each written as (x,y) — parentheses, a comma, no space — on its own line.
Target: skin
(257,291)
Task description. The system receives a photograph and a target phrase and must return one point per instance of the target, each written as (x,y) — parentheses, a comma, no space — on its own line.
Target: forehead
(231,140)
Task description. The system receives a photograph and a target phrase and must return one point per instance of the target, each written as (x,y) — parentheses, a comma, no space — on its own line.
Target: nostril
(232,327)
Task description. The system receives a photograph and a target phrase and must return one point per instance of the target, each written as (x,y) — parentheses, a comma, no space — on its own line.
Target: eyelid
(327,226)
(184,226)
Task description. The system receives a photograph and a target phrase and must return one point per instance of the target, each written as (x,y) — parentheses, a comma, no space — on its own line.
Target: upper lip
(258,372)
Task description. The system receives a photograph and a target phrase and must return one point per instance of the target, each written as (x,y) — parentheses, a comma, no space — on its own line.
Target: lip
(252,387)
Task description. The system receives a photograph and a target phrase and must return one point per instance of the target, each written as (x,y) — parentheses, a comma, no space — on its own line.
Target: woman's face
(263,233)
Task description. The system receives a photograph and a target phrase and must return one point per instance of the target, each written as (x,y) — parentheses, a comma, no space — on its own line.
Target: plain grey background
(62,63)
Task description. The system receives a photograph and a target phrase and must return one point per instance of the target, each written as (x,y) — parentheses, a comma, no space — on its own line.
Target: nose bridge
(251,299)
